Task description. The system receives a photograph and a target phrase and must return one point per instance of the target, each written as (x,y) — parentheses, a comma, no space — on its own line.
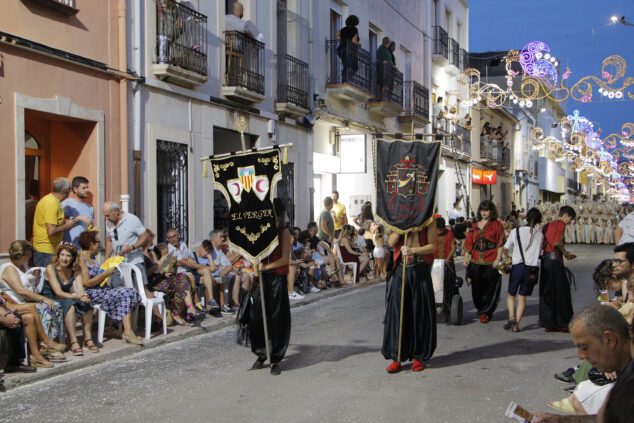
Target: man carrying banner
(255,232)
(406,179)
(273,271)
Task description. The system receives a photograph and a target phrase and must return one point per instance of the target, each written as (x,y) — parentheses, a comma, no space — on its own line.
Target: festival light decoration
(539,80)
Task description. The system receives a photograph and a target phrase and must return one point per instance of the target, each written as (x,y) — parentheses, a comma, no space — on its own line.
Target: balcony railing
(292,81)
(348,64)
(181,37)
(441,42)
(416,99)
(506,158)
(245,62)
(464,59)
(389,84)
(454,50)
(492,151)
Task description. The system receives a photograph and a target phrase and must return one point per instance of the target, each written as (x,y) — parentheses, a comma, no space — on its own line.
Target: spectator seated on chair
(117,303)
(197,265)
(349,254)
(321,250)
(20,290)
(64,284)
(222,275)
(161,278)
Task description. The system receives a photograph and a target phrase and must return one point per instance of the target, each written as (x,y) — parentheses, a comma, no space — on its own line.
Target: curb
(13,381)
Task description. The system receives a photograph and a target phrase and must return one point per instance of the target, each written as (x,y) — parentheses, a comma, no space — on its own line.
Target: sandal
(509,324)
(91,347)
(76,351)
(54,356)
(57,347)
(45,364)
(515,328)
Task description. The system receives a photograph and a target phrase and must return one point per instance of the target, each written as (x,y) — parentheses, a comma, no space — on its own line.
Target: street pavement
(333,372)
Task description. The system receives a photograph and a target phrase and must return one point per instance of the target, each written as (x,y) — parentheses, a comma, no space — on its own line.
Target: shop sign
(352,153)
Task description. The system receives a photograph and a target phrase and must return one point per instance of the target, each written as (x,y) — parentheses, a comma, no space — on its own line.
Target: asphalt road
(333,372)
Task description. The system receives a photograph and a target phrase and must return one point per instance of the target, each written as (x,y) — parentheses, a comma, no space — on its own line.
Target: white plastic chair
(352,264)
(131,277)
(101,322)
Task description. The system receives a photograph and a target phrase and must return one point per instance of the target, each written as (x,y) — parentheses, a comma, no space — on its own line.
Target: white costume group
(594,224)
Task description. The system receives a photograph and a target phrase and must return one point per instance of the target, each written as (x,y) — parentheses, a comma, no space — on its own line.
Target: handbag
(531,273)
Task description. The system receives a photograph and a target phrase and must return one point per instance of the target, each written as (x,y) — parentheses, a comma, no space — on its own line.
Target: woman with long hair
(483,248)
(526,245)
(348,253)
(21,298)
(64,284)
(116,302)
(273,271)
(380,264)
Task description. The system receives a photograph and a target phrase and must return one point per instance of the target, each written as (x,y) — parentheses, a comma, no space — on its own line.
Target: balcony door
(171,175)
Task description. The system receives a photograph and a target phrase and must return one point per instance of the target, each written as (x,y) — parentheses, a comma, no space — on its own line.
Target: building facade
(62,103)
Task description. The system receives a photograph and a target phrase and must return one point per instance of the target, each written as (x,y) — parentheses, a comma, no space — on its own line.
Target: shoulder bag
(531,273)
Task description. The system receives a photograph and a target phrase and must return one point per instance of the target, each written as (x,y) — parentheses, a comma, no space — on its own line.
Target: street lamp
(616,19)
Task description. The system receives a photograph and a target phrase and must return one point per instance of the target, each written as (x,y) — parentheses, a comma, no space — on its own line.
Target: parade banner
(406,176)
(247,180)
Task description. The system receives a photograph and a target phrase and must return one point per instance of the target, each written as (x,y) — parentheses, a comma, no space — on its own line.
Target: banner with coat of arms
(247,180)
(406,176)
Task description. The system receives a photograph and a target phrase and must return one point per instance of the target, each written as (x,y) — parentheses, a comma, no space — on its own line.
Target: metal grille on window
(171,176)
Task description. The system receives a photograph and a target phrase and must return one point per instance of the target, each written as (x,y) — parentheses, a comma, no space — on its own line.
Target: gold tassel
(204,168)
(285,156)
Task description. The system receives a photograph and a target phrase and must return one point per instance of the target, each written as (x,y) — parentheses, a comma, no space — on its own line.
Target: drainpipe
(123,106)
(138,63)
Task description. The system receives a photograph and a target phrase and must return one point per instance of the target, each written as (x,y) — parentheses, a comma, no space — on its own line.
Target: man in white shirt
(624,232)
(531,243)
(455,212)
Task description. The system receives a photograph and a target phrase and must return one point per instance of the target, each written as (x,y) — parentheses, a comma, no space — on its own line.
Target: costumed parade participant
(407,177)
(273,271)
(257,232)
(555,303)
(484,251)
(419,310)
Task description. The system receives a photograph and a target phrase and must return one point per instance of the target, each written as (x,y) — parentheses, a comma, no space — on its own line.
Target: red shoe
(484,318)
(417,366)
(394,367)
(548,330)
(564,330)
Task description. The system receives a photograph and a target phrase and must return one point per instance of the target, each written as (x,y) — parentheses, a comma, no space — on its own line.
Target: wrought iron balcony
(349,75)
(464,59)
(181,44)
(441,42)
(244,74)
(292,85)
(454,50)
(492,152)
(65,7)
(415,104)
(388,89)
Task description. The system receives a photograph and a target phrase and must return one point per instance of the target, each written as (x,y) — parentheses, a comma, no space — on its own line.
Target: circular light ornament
(529,103)
(546,56)
(611,94)
(619,94)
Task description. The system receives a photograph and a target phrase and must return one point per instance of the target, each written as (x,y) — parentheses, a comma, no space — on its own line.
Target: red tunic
(483,247)
(422,240)
(277,253)
(443,244)
(553,235)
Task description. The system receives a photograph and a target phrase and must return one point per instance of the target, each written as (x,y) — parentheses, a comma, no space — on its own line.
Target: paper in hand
(517,412)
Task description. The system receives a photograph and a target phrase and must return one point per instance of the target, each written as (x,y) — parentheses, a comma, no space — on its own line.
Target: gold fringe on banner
(204,168)
(285,156)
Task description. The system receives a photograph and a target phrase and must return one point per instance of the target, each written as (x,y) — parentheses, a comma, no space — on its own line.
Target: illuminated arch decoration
(612,70)
(493,94)
(625,138)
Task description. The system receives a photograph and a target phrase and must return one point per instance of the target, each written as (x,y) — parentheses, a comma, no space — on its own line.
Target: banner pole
(264,320)
(400,323)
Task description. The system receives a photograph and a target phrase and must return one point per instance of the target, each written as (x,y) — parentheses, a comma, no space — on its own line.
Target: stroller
(447,291)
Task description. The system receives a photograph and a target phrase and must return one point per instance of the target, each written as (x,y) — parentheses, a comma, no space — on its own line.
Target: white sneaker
(314,289)
(295,296)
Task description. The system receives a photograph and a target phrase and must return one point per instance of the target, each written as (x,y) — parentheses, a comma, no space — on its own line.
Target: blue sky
(577,32)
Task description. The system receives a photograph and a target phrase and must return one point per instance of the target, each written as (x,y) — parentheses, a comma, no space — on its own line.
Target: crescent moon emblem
(257,185)
(237,192)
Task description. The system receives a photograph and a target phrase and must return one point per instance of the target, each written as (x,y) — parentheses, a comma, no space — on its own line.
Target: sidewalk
(114,348)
